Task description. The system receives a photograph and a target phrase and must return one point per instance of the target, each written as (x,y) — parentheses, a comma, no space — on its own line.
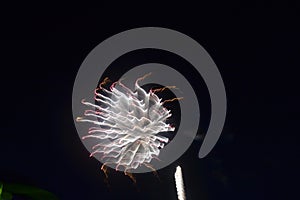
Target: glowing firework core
(127,124)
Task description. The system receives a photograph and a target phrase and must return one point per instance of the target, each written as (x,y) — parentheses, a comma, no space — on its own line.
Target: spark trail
(179,184)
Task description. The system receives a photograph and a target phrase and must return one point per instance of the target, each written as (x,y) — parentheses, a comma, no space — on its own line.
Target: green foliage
(1,186)
(8,190)
(6,196)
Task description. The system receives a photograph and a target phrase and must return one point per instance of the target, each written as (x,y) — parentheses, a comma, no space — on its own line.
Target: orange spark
(163,88)
(145,76)
(105,81)
(130,175)
(153,170)
(174,99)
(105,170)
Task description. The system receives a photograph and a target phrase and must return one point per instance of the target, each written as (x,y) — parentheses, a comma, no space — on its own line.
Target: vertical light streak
(179,184)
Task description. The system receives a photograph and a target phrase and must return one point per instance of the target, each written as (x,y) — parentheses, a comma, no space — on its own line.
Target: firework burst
(126,124)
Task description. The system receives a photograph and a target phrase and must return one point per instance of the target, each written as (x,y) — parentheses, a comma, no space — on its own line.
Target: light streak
(179,184)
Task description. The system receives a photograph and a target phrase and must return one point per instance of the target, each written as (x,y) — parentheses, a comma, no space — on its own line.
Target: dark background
(256,48)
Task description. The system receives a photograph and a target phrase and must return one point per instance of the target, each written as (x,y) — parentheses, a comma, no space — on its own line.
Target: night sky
(256,48)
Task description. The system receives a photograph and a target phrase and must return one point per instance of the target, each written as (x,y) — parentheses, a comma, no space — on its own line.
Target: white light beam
(179,184)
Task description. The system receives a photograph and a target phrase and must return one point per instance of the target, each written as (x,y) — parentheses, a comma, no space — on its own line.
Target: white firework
(127,125)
